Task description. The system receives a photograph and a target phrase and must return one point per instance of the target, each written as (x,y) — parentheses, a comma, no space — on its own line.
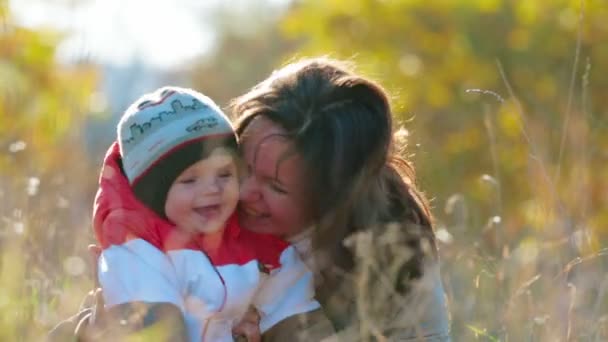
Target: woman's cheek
(289,216)
(246,189)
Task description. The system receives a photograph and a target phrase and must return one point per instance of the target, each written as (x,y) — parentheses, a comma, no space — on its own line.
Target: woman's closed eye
(278,187)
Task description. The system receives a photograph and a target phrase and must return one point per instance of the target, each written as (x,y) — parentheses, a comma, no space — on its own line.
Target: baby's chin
(206,229)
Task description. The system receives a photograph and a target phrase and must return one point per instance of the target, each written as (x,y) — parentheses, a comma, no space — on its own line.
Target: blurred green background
(503,105)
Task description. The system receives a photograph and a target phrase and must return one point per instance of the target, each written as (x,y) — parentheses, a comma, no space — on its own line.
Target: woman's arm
(426,311)
(390,298)
(122,321)
(94,323)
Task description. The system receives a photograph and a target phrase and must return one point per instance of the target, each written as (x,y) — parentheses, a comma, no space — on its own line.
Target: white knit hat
(163,120)
(163,133)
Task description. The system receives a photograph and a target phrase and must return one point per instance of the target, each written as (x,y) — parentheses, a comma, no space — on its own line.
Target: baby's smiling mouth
(209,211)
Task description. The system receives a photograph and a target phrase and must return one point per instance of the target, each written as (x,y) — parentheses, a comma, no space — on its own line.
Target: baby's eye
(225,174)
(187,180)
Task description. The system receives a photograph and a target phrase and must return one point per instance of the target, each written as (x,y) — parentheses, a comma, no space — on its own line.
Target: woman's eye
(187,180)
(277,188)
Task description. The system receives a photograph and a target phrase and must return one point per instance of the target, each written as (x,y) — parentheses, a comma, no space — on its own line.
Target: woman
(323,173)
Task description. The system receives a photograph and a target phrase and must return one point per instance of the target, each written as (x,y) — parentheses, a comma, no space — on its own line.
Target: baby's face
(202,198)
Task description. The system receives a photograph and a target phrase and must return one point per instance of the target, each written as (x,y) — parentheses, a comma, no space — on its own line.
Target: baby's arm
(140,286)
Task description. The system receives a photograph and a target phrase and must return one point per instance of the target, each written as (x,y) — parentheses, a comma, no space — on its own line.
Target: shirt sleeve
(430,320)
(137,271)
(287,291)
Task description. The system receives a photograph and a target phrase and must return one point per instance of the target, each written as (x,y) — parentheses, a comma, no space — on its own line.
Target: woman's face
(273,196)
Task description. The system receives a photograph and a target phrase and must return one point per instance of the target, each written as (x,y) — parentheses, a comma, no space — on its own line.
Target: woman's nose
(250,189)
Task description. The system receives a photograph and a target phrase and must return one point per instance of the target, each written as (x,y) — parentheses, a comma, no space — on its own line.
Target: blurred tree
(44,174)
(41,102)
(429,53)
(245,53)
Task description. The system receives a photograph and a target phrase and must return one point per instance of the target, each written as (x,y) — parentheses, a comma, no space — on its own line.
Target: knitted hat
(163,133)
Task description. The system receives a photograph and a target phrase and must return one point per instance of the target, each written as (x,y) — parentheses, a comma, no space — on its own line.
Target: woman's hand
(96,319)
(248,328)
(92,325)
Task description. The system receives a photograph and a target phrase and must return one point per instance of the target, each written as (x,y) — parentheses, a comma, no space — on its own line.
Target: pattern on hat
(163,120)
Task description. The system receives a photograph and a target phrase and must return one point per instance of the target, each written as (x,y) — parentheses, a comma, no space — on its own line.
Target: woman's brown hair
(341,125)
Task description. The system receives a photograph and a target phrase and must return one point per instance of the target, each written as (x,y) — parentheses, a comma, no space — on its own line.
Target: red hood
(117,214)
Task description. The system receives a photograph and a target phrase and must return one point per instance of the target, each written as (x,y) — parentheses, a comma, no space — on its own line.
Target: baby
(174,239)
